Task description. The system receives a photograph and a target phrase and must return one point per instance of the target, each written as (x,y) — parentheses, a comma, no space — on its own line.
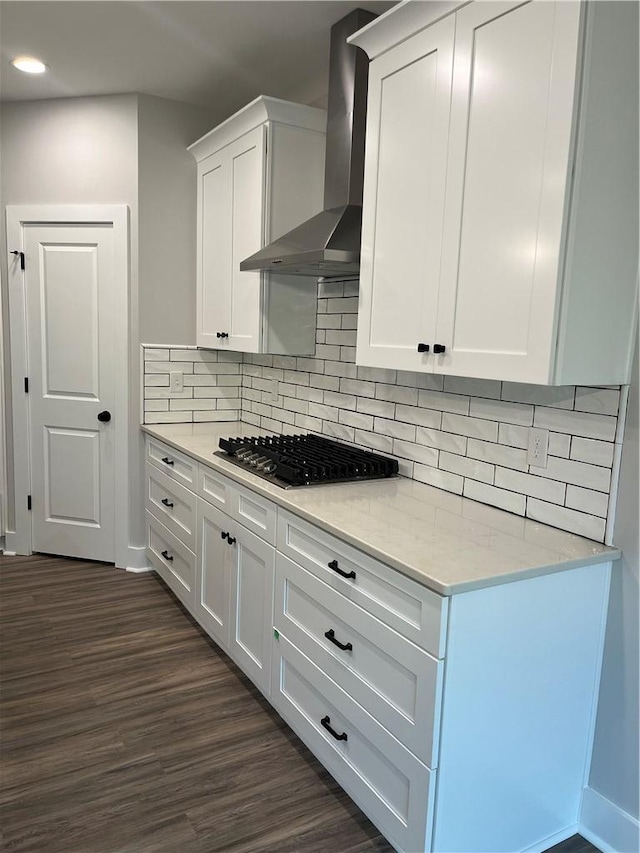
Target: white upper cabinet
(260,174)
(500,225)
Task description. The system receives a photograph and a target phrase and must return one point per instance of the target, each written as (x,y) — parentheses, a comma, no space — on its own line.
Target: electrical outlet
(275,391)
(538,447)
(176,380)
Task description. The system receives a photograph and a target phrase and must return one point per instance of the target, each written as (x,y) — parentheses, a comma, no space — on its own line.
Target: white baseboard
(134,559)
(606,825)
(552,840)
(10,543)
(139,570)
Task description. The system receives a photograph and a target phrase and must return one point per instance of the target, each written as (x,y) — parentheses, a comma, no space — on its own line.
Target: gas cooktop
(305,460)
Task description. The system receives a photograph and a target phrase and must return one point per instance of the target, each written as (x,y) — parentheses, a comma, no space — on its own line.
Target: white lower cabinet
(457,724)
(392,787)
(234,591)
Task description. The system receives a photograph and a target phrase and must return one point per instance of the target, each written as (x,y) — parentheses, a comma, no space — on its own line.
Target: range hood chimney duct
(328,244)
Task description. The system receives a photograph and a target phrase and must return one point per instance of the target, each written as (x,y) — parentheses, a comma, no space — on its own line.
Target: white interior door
(69,281)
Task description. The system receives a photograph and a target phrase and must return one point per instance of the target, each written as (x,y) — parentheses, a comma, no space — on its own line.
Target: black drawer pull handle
(230,539)
(423,347)
(325,723)
(168,461)
(333,565)
(331,635)
(167,556)
(167,502)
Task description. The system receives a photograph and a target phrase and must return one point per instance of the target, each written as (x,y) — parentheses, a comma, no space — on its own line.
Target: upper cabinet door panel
(405,172)
(507,182)
(247,166)
(214,253)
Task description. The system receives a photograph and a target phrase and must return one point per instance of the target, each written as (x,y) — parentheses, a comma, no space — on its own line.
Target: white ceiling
(218,54)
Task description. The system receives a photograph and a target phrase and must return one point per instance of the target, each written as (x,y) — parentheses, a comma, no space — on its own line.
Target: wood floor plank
(123,729)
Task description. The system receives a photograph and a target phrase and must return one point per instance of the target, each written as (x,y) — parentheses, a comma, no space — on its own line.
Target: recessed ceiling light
(29,64)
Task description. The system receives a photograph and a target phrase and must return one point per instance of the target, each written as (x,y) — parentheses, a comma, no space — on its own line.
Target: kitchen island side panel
(521,681)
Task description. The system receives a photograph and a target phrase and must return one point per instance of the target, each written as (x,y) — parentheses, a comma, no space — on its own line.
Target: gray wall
(614,767)
(167,218)
(116,149)
(69,151)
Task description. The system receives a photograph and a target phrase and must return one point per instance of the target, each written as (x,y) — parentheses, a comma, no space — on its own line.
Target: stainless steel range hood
(328,244)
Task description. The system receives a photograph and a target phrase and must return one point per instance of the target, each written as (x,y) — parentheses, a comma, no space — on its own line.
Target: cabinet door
(252,606)
(212,607)
(231,205)
(405,170)
(507,183)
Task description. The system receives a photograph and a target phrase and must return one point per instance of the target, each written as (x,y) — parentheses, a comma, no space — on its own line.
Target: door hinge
(16,252)
(28,501)
(26,384)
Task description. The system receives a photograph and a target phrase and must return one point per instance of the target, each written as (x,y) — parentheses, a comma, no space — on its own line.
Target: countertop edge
(260,487)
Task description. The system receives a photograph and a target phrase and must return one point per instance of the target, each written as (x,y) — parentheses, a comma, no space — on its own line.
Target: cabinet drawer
(395,681)
(172,504)
(215,488)
(253,511)
(257,514)
(175,464)
(410,608)
(390,785)
(174,562)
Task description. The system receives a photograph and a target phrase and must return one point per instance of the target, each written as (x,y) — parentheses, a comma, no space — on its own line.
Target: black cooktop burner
(303,460)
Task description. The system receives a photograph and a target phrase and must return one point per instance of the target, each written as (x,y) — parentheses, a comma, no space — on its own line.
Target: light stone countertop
(448,543)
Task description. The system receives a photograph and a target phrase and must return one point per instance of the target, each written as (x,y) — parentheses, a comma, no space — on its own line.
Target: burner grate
(302,460)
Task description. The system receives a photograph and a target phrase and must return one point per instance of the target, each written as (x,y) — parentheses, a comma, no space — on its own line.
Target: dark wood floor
(124,730)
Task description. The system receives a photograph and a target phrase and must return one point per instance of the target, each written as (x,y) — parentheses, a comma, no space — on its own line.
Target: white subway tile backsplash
(600,401)
(514,436)
(578,473)
(355,419)
(397,394)
(559,444)
(594,452)
(576,423)
(442,440)
(395,429)
(420,417)
(380,443)
(568,519)
(440,479)
(375,407)
(497,410)
(585,500)
(473,387)
(466,467)
(561,397)
(529,484)
(509,501)
(497,454)
(156,380)
(156,353)
(415,452)
(472,427)
(166,366)
(465,436)
(443,402)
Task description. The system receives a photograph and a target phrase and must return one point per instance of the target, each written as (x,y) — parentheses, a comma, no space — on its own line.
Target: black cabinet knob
(222,334)
(423,347)
(231,539)
(438,348)
(105,417)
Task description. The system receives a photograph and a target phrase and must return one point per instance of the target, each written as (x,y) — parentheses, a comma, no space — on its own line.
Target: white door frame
(20,540)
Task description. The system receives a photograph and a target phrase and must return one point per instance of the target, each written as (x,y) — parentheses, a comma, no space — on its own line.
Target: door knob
(105,417)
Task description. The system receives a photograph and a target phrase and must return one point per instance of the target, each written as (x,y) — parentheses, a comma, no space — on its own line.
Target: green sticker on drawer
(276,634)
